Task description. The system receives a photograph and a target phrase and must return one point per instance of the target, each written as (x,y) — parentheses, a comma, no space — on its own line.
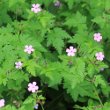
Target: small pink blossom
(18,65)
(71,51)
(36,8)
(29,49)
(97,37)
(2,103)
(32,87)
(57,3)
(99,56)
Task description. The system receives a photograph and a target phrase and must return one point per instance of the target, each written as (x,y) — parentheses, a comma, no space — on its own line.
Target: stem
(42,107)
(91,27)
(16,14)
(92,81)
(40,103)
(98,97)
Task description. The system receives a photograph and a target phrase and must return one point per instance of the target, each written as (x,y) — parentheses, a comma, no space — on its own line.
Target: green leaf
(29,103)
(80,24)
(83,89)
(52,74)
(99,81)
(3,78)
(56,38)
(70,3)
(31,67)
(8,107)
(75,77)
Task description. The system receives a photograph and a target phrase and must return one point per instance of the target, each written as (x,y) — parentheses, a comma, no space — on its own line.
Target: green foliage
(78,79)
(56,38)
(80,24)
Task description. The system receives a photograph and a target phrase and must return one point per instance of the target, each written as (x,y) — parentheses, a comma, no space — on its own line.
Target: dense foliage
(54,54)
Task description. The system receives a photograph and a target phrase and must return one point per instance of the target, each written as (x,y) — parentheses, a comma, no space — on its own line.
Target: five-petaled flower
(2,103)
(18,65)
(97,37)
(29,49)
(32,87)
(36,8)
(71,51)
(99,56)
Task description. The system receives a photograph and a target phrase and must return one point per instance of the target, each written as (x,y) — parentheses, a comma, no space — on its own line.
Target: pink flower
(18,65)
(36,8)
(2,103)
(28,49)
(57,3)
(99,56)
(71,51)
(32,87)
(97,37)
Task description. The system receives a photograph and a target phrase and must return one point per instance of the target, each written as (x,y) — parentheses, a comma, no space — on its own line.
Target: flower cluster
(36,8)
(32,87)
(18,65)
(99,55)
(28,49)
